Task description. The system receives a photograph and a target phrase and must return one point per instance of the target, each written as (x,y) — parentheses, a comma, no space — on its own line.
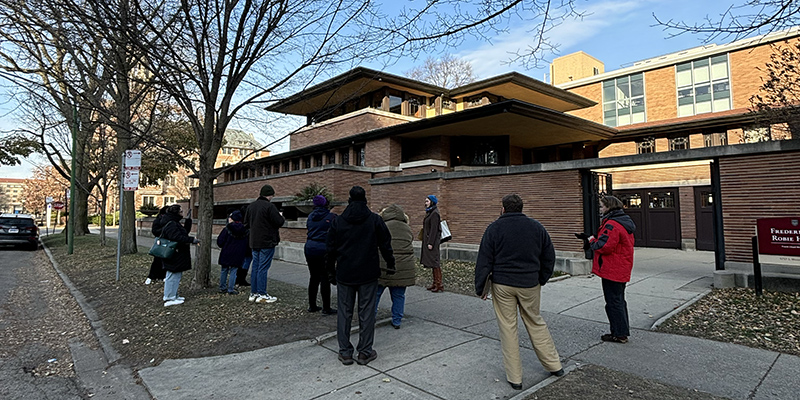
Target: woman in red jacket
(613,262)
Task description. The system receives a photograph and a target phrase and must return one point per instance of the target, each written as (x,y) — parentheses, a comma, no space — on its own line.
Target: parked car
(19,230)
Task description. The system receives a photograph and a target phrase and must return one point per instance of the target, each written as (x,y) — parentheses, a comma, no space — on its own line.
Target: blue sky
(617,32)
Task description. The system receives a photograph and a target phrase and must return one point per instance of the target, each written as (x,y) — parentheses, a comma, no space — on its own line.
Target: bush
(307,193)
(110,218)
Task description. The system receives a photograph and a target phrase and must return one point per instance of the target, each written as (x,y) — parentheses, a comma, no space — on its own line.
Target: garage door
(656,215)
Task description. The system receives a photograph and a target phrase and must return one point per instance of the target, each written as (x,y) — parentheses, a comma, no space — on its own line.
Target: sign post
(129,181)
(48,200)
(777,241)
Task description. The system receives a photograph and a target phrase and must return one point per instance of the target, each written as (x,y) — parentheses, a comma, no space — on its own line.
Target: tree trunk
(103,205)
(202,262)
(81,214)
(127,224)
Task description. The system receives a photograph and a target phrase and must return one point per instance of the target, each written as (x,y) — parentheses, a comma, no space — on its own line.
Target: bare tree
(448,72)
(741,20)
(777,102)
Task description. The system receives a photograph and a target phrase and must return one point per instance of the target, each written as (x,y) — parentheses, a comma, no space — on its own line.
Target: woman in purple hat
(318,223)
(431,238)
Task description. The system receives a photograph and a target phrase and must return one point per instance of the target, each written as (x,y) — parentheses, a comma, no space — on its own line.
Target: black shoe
(346,360)
(314,309)
(329,311)
(223,290)
(234,292)
(364,359)
(244,284)
(395,326)
(557,373)
(616,339)
(515,386)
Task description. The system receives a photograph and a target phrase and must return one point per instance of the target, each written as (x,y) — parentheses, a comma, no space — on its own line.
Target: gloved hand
(581,235)
(196,241)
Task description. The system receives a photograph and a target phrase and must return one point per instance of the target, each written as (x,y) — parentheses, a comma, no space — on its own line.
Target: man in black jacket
(353,241)
(517,252)
(264,221)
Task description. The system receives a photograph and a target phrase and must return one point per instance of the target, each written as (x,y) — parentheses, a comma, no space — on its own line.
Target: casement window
(679,143)
(646,145)
(703,86)
(149,200)
(169,200)
(715,139)
(623,100)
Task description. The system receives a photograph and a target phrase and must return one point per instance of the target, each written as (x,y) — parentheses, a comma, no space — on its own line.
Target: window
(295,164)
(188,182)
(662,199)
(715,139)
(345,155)
(646,145)
(318,160)
(332,157)
(169,200)
(170,180)
(307,162)
(623,100)
(595,71)
(679,143)
(360,154)
(703,86)
(149,200)
(633,200)
(286,166)
(227,150)
(395,103)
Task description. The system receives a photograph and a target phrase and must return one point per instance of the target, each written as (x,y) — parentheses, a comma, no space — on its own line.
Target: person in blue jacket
(234,247)
(318,223)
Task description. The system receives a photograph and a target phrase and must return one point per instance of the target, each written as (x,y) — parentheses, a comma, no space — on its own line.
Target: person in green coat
(397,222)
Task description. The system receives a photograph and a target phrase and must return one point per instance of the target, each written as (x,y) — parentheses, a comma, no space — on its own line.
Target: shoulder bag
(163,248)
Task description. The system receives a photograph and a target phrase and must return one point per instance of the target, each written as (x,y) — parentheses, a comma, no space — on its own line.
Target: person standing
(232,242)
(157,272)
(613,263)
(516,253)
(264,222)
(317,224)
(241,274)
(352,261)
(182,260)
(431,239)
(403,250)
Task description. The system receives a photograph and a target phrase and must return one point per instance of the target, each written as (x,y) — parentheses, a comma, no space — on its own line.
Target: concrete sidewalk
(448,347)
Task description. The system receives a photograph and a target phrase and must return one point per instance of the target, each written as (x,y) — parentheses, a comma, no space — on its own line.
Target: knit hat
(236,216)
(433,199)
(357,193)
(320,201)
(267,190)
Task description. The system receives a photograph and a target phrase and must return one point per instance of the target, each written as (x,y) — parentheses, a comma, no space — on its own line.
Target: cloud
(490,59)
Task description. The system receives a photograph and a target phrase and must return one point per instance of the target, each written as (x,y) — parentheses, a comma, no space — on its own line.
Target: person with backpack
(233,245)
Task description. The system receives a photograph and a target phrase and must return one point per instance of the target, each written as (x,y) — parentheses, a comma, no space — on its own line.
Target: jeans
(346,297)
(227,278)
(398,294)
(171,285)
(616,308)
(262,260)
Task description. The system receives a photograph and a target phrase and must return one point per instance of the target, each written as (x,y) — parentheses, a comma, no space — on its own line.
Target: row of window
(151,201)
(305,162)
(702,86)
(239,152)
(648,144)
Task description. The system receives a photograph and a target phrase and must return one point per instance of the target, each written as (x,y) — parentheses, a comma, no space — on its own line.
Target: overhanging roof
(514,85)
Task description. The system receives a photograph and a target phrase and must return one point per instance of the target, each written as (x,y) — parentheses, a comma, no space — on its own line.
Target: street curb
(547,381)
(679,309)
(111,355)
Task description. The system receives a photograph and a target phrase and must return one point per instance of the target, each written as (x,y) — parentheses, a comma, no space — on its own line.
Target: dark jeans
(157,270)
(616,308)
(346,295)
(318,281)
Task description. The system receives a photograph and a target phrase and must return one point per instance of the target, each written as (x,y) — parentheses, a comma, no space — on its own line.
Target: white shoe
(180,298)
(172,302)
(252,297)
(266,299)
(148,281)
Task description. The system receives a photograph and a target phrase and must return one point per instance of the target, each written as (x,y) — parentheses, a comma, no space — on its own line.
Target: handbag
(446,236)
(162,247)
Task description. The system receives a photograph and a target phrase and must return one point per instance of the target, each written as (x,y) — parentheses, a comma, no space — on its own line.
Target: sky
(617,32)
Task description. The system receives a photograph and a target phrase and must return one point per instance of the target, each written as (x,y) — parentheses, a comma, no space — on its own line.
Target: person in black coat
(241,274)
(317,224)
(182,260)
(232,242)
(157,272)
(264,221)
(352,261)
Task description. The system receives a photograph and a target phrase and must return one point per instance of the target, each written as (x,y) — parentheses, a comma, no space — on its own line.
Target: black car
(19,230)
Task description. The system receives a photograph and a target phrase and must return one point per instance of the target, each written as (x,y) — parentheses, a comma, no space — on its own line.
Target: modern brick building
(11,195)
(675,145)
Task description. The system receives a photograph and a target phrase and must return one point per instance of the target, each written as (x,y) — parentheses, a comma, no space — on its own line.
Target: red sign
(779,236)
(58,205)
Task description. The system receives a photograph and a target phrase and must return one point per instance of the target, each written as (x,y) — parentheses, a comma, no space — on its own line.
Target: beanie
(433,199)
(320,201)
(267,190)
(236,216)
(357,193)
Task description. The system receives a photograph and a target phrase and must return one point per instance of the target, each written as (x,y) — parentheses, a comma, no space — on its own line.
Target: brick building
(553,144)
(11,195)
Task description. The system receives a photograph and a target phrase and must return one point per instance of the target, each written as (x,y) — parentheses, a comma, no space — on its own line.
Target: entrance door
(656,215)
(704,217)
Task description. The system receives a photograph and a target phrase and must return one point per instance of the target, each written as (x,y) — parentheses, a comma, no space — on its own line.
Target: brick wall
(339,181)
(661,95)
(383,152)
(430,148)
(756,187)
(746,79)
(336,130)
(691,174)
(594,92)
(411,197)
(688,222)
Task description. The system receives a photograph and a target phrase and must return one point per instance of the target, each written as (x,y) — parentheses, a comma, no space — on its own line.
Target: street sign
(133,159)
(58,205)
(48,199)
(130,180)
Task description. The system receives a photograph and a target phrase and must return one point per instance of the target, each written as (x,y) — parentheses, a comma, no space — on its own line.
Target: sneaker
(148,281)
(172,302)
(364,359)
(616,339)
(329,311)
(314,309)
(265,298)
(395,326)
(557,373)
(346,360)
(252,297)
(223,290)
(515,386)
(180,298)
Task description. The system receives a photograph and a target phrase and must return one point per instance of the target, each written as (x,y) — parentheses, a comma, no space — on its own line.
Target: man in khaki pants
(516,258)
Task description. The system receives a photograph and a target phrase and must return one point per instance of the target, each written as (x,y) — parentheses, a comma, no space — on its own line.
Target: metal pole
(119,228)
(71,217)
(756,268)
(719,226)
